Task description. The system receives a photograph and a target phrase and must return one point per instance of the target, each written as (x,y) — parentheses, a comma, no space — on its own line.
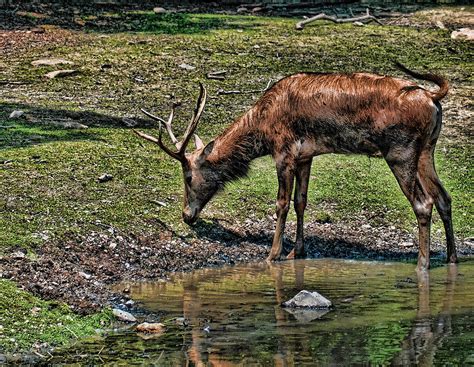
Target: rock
(51,62)
(159,10)
(407,244)
(69,124)
(306,299)
(257,9)
(35,310)
(242,10)
(359,24)
(18,255)
(440,24)
(130,303)
(181,321)
(60,73)
(187,67)
(463,33)
(105,177)
(123,315)
(16,114)
(153,327)
(85,275)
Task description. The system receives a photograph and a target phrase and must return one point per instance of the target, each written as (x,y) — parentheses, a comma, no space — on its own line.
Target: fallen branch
(226,92)
(218,75)
(367,17)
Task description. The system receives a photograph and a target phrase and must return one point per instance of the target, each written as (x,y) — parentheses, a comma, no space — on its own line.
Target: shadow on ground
(43,125)
(114,19)
(316,245)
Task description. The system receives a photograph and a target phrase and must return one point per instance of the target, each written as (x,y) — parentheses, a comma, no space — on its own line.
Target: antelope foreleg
(285,187)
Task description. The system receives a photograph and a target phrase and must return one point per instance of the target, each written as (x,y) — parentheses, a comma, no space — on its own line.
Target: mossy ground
(26,319)
(48,174)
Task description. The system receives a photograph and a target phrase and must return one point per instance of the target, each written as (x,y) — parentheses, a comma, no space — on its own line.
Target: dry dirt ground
(79,271)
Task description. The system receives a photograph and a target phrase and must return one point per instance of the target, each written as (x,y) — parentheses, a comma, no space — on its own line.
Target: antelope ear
(208,149)
(198,142)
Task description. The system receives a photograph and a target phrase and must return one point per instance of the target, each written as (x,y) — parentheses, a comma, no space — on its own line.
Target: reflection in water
(383,315)
(428,332)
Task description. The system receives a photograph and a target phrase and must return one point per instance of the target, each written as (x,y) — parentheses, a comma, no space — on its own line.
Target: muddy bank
(80,270)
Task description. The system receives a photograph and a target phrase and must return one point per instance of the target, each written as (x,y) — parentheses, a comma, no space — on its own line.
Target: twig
(39,354)
(226,92)
(13,82)
(219,75)
(367,17)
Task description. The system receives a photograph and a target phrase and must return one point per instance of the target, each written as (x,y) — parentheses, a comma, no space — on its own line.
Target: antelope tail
(441,82)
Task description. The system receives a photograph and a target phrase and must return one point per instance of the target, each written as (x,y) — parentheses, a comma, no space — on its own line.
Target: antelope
(308,114)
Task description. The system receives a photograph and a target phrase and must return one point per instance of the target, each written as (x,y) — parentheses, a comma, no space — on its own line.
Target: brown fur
(308,114)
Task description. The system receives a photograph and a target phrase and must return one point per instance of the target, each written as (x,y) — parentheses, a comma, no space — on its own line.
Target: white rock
(463,33)
(186,66)
(85,275)
(18,255)
(159,10)
(16,114)
(440,24)
(51,62)
(123,315)
(60,73)
(69,124)
(359,24)
(308,299)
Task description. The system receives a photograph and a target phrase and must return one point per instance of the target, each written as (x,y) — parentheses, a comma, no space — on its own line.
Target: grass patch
(50,174)
(26,319)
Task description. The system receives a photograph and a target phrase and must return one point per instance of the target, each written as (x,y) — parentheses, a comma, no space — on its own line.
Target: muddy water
(384,314)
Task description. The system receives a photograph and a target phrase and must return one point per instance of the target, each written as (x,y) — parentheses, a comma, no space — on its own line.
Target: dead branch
(226,92)
(218,75)
(366,18)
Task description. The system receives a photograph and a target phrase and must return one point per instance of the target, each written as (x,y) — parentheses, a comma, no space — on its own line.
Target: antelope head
(201,181)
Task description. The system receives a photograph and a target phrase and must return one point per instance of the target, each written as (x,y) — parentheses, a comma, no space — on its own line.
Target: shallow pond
(384,314)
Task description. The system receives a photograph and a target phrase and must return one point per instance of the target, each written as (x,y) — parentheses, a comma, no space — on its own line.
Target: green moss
(26,320)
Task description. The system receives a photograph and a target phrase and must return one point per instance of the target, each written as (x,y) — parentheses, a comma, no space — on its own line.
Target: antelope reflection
(420,346)
(202,349)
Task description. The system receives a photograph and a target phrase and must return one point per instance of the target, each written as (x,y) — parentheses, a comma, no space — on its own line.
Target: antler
(181,146)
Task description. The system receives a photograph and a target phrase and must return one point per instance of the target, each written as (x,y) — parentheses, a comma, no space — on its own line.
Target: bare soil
(79,271)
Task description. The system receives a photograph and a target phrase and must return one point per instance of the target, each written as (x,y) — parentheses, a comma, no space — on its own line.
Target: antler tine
(167,124)
(159,141)
(201,102)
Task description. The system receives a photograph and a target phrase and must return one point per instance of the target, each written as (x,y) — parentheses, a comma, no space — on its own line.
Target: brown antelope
(308,114)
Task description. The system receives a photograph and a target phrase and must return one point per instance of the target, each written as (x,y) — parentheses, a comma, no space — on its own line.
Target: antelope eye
(189,179)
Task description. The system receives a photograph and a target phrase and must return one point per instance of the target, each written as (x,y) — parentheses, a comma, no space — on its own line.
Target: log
(366,18)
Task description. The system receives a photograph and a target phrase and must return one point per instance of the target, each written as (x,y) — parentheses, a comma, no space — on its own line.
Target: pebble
(16,114)
(123,315)
(153,327)
(464,34)
(60,73)
(186,66)
(85,275)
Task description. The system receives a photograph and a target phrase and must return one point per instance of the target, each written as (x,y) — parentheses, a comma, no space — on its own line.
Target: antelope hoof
(291,255)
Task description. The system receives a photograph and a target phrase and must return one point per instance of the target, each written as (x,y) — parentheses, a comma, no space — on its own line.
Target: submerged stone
(153,327)
(306,299)
(123,315)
